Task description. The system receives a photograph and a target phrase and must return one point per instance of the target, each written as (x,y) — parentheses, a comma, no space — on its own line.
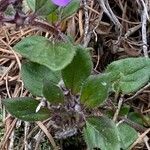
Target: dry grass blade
(5,139)
(49,136)
(140,138)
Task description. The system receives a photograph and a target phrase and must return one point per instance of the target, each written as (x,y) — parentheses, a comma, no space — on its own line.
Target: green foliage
(46,7)
(130,74)
(41,7)
(101,132)
(52,17)
(48,62)
(31,4)
(51,61)
(10,11)
(55,56)
(127,135)
(34,74)
(52,93)
(70,9)
(78,70)
(136,117)
(25,109)
(124,110)
(139,118)
(95,91)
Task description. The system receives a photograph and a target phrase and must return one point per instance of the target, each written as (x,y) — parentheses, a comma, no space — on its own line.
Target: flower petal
(61,3)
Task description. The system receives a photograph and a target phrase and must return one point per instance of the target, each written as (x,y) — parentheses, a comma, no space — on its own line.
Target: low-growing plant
(60,74)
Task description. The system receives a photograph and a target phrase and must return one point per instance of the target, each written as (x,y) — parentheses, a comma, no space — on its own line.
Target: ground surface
(111,35)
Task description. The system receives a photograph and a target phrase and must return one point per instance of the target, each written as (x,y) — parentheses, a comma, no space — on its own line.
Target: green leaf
(139,118)
(55,56)
(41,7)
(78,70)
(34,74)
(10,11)
(52,93)
(127,135)
(101,132)
(124,110)
(70,9)
(31,4)
(24,108)
(52,17)
(44,7)
(130,74)
(95,91)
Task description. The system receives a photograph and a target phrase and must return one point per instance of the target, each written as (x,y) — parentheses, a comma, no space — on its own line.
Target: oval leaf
(44,7)
(25,109)
(55,56)
(130,74)
(41,7)
(78,70)
(101,132)
(52,17)
(70,9)
(34,74)
(31,4)
(143,120)
(127,135)
(52,93)
(95,91)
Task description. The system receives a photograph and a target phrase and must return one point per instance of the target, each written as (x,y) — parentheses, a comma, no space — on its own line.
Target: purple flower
(61,3)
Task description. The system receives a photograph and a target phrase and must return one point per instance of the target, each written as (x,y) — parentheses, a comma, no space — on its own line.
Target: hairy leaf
(34,74)
(127,135)
(101,132)
(52,93)
(52,17)
(95,91)
(55,56)
(31,4)
(130,74)
(78,70)
(41,7)
(71,8)
(143,120)
(24,108)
